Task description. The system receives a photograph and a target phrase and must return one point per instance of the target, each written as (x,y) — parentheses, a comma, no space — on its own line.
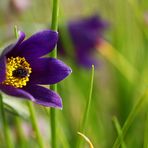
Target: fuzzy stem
(8,141)
(54,27)
(35,125)
(17,119)
(55,13)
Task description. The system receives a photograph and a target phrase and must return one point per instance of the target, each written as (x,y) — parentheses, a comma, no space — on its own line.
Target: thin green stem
(54,27)
(35,125)
(87,109)
(20,132)
(130,118)
(145,145)
(53,123)
(16,32)
(6,131)
(119,131)
(55,13)
(17,120)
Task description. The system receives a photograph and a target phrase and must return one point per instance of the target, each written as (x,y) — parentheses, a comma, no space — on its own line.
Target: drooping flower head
(84,34)
(23,69)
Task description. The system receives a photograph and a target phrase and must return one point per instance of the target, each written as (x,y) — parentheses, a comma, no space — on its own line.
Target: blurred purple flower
(23,68)
(84,34)
(19,6)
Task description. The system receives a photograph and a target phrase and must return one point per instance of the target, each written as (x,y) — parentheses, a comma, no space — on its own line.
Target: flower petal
(12,91)
(48,71)
(38,45)
(11,49)
(44,96)
(2,68)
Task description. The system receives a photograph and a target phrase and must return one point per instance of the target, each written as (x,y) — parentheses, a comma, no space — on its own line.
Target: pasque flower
(23,69)
(85,34)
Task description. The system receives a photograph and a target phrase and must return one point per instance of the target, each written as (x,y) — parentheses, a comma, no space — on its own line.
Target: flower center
(20,73)
(17,72)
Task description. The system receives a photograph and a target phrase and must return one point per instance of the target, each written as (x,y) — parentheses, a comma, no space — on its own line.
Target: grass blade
(130,118)
(119,131)
(145,145)
(87,109)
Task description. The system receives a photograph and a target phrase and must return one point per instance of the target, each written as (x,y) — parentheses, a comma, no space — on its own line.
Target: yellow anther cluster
(12,65)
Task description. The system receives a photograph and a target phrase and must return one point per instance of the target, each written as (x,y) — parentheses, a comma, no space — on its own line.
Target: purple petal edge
(38,45)
(13,47)
(44,96)
(48,71)
(16,92)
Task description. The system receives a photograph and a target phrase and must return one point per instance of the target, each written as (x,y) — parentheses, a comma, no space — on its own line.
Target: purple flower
(85,34)
(23,69)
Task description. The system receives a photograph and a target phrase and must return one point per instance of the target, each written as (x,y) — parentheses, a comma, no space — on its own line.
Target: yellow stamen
(13,65)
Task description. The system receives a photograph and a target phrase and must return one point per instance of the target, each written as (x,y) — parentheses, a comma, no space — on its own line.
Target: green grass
(119,82)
